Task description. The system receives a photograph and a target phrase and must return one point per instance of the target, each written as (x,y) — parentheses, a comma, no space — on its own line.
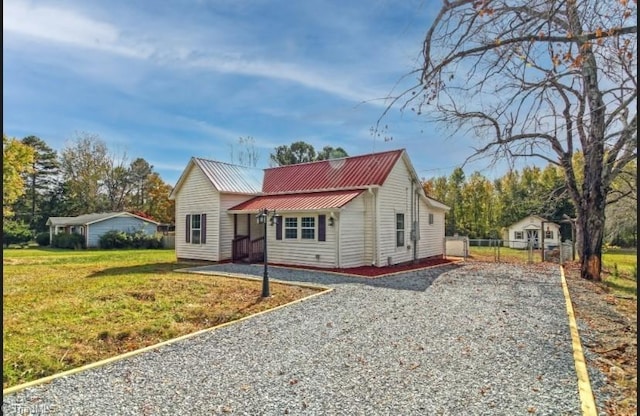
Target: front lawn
(63,308)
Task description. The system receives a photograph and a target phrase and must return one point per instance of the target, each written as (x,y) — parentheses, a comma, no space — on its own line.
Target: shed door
(532,237)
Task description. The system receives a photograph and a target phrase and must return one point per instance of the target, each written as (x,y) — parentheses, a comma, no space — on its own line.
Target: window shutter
(278,228)
(322,228)
(188,229)
(203,229)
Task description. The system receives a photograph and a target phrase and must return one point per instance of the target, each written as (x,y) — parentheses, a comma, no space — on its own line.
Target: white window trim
(299,228)
(285,228)
(199,229)
(403,229)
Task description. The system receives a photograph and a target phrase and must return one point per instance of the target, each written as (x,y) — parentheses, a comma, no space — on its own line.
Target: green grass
(621,270)
(65,308)
(506,254)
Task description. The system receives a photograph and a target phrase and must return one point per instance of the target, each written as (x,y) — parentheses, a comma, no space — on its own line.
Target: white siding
(226,222)
(353,230)
(431,241)
(369,227)
(198,196)
(302,252)
(394,198)
(532,223)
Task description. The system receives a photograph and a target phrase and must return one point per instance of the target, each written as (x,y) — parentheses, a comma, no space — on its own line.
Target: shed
(533,230)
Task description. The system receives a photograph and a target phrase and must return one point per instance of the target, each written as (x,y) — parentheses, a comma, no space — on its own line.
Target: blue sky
(168,80)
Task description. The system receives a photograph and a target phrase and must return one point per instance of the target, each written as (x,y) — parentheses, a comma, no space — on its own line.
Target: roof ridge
(338,158)
(226,163)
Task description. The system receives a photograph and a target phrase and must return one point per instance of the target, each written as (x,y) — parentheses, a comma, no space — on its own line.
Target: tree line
(85,177)
(482,208)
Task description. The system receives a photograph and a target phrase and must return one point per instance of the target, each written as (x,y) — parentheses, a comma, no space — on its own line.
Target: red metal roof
(350,172)
(298,202)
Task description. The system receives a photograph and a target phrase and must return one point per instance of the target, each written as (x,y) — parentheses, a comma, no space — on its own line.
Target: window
(399,230)
(518,235)
(290,227)
(548,234)
(430,219)
(308,228)
(195,228)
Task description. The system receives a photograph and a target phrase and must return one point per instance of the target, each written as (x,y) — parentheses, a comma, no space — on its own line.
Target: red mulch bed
(373,271)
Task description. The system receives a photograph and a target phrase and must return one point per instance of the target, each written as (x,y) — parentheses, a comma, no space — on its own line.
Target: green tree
(140,170)
(17,161)
(85,166)
(297,152)
(539,79)
(158,204)
(15,232)
(328,152)
(40,181)
(454,222)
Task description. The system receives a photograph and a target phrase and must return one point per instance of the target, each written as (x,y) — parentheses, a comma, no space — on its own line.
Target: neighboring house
(93,226)
(532,230)
(349,212)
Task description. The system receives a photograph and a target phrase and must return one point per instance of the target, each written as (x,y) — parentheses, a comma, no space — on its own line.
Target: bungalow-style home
(533,229)
(348,212)
(93,226)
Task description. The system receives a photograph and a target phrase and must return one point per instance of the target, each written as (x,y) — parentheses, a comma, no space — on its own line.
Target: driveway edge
(584,386)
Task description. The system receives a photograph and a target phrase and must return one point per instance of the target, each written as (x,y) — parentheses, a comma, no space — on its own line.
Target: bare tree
(541,78)
(247,154)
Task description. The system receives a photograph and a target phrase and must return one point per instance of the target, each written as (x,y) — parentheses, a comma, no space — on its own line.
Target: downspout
(375,226)
(336,228)
(412,234)
(417,235)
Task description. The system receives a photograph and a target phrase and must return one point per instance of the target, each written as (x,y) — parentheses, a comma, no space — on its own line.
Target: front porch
(246,250)
(247,245)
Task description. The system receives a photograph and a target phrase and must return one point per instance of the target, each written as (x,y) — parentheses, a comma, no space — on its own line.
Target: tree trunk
(591,222)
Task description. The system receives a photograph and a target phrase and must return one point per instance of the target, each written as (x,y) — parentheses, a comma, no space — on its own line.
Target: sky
(174,79)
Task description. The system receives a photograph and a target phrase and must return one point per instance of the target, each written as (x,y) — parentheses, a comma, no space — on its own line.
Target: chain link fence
(498,250)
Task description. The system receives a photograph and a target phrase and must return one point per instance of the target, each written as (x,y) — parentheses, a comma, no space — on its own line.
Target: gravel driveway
(478,339)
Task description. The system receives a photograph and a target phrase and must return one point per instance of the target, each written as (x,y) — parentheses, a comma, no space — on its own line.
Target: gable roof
(533,217)
(88,219)
(345,173)
(225,177)
(298,202)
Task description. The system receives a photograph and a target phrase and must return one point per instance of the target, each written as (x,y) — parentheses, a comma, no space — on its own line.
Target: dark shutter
(203,229)
(278,228)
(188,229)
(322,228)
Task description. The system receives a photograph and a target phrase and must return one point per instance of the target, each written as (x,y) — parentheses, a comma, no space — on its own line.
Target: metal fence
(498,250)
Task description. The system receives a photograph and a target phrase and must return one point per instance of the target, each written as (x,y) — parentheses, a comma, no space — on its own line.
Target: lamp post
(262,219)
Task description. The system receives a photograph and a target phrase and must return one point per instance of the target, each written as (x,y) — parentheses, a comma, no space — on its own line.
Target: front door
(532,238)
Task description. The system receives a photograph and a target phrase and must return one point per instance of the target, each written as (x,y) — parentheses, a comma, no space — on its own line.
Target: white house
(93,226)
(533,229)
(349,212)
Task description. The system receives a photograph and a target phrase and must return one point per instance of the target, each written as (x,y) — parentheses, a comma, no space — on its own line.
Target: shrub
(15,232)
(119,239)
(43,239)
(114,239)
(68,240)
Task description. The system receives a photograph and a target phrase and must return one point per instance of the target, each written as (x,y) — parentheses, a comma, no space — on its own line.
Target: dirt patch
(612,322)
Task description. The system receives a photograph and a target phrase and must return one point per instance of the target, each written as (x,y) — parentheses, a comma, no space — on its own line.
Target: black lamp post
(262,219)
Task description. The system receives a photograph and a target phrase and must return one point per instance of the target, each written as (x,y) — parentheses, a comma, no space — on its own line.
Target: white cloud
(68,27)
